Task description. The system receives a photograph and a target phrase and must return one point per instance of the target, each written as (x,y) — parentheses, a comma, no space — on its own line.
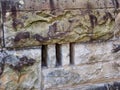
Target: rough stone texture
(59,77)
(1,33)
(27,79)
(77,21)
(101,86)
(51,55)
(92,53)
(95,63)
(25,24)
(68,26)
(65,54)
(57,4)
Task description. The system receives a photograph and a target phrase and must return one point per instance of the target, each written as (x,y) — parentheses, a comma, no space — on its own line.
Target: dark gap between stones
(58,55)
(44,56)
(71,53)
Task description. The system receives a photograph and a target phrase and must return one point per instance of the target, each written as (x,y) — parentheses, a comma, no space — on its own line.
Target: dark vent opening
(58,55)
(71,53)
(44,56)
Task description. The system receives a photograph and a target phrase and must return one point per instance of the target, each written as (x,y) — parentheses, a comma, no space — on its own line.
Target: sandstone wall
(59,45)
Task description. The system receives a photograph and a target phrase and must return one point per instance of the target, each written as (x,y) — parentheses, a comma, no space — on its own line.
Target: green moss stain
(80,30)
(47,18)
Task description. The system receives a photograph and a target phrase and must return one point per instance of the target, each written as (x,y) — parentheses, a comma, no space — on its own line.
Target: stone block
(59,77)
(32,28)
(65,54)
(51,56)
(78,75)
(81,54)
(94,53)
(22,70)
(99,86)
(58,4)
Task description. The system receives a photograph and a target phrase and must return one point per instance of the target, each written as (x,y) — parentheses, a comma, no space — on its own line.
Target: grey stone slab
(65,54)
(58,4)
(72,76)
(51,56)
(18,75)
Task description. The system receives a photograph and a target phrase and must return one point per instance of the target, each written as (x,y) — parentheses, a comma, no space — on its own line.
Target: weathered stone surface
(59,77)
(1,27)
(100,86)
(92,53)
(39,22)
(28,78)
(51,56)
(65,54)
(72,76)
(94,63)
(36,28)
(58,4)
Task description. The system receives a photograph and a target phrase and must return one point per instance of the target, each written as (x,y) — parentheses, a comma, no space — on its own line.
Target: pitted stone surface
(57,21)
(30,23)
(98,64)
(61,77)
(27,78)
(60,4)
(30,28)
(51,56)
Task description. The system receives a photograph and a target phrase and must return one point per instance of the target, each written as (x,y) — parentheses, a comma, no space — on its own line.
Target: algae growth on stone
(41,27)
(51,21)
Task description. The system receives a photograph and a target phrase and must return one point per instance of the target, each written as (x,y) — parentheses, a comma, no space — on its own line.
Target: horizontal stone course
(100,86)
(41,28)
(71,76)
(58,4)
